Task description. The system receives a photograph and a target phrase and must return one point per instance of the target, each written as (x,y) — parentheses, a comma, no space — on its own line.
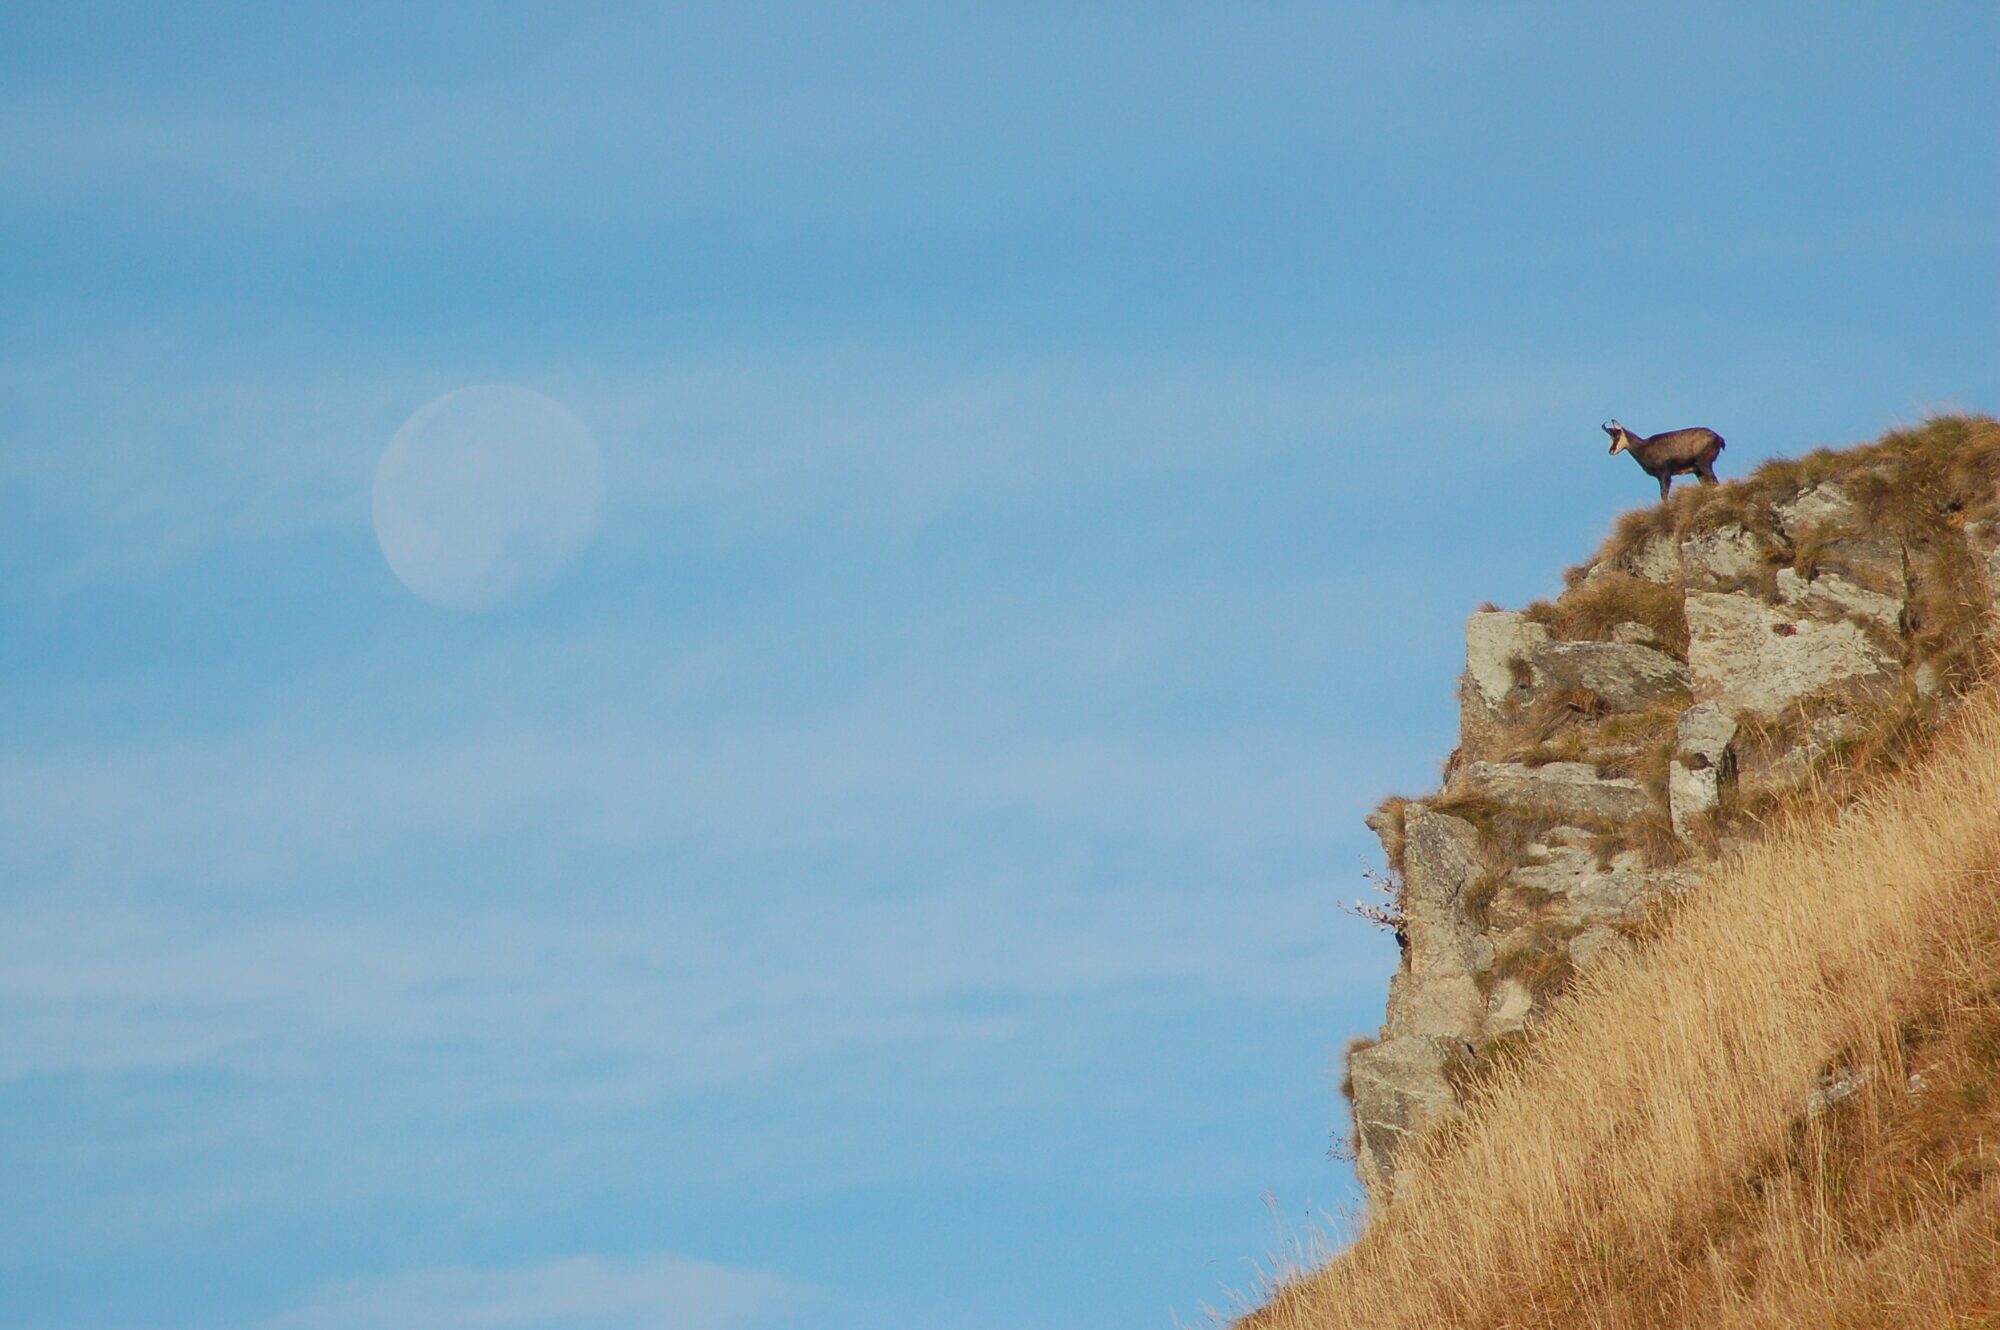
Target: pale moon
(485,494)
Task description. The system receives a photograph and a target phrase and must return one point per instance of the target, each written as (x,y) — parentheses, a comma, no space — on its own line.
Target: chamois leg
(1666,483)
(1706,470)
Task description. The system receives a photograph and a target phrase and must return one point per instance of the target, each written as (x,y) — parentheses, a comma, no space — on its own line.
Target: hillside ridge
(1638,882)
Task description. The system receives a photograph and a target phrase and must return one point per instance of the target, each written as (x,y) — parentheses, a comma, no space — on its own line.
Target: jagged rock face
(1764,773)
(1595,775)
(1436,1008)
(1596,944)
(1751,657)
(1588,891)
(1702,762)
(1509,658)
(1657,560)
(1400,1086)
(1566,789)
(1438,995)
(1625,677)
(1494,641)
(1831,596)
(1822,506)
(1727,557)
(1497,647)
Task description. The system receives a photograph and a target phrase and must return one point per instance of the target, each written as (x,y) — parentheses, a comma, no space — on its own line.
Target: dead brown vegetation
(1589,610)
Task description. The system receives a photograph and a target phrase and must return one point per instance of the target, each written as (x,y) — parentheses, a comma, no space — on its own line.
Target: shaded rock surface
(1566,789)
(1702,762)
(1624,676)
(1400,1085)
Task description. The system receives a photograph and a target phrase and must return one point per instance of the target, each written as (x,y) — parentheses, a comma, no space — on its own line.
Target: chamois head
(1621,438)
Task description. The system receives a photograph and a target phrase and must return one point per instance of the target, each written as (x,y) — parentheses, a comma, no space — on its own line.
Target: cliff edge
(1727,656)
(1698,1017)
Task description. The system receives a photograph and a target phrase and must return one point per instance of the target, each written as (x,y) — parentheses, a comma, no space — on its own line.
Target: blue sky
(889,879)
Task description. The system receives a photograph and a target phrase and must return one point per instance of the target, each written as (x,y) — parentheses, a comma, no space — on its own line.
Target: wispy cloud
(889,436)
(711,982)
(141,455)
(769,874)
(182,157)
(576,1293)
(617,740)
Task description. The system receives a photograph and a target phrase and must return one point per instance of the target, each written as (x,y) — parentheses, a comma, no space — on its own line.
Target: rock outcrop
(1724,650)
(1755,658)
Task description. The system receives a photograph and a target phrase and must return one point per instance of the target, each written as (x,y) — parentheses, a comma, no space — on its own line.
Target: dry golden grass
(1648,1157)
(1588,610)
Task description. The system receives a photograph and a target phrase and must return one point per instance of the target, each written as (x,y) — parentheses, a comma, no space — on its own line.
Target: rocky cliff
(1726,654)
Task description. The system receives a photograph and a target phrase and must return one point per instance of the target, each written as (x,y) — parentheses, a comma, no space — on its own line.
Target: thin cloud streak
(152,458)
(576,1293)
(266,814)
(672,996)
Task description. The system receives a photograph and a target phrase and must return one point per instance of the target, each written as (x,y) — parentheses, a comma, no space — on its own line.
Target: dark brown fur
(1679,452)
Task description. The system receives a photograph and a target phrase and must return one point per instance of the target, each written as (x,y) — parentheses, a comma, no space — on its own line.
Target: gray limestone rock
(1567,789)
(1434,1003)
(1479,950)
(1400,1086)
(1587,892)
(1701,764)
(1595,945)
(1878,564)
(1727,557)
(1654,559)
(1440,859)
(1691,791)
(1831,596)
(1749,657)
(1436,1007)
(1434,992)
(1497,646)
(1494,640)
(1785,769)
(1510,660)
(1707,730)
(1509,1007)
(1626,676)
(1817,508)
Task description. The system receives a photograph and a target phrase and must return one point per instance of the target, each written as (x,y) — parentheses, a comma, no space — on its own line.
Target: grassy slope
(1663,1152)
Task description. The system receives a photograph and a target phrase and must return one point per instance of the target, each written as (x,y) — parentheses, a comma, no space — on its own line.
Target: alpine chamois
(1678,452)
